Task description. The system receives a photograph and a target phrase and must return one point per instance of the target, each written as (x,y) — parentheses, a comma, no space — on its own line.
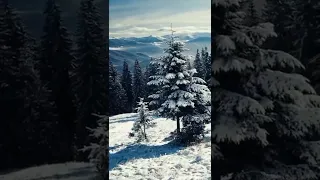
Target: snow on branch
(231,64)
(228,128)
(279,85)
(273,58)
(242,104)
(226,3)
(225,44)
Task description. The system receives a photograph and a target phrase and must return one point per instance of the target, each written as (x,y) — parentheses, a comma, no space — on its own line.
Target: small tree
(143,122)
(99,149)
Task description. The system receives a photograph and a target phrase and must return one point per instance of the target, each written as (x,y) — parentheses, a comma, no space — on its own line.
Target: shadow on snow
(127,119)
(74,173)
(141,151)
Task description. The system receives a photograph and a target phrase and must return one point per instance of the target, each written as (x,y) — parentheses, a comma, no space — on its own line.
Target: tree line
(126,87)
(49,88)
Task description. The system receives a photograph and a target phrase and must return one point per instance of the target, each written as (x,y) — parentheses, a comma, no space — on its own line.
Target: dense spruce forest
(265,93)
(51,86)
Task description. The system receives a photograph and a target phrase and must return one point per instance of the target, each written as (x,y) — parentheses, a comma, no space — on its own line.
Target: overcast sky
(137,18)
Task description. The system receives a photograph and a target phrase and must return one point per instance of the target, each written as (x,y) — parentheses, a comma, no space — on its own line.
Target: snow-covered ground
(157,159)
(64,171)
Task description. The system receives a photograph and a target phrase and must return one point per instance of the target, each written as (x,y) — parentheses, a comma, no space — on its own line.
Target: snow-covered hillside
(157,159)
(64,171)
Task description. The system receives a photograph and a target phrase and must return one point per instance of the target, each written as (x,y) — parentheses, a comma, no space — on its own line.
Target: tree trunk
(144,131)
(178,125)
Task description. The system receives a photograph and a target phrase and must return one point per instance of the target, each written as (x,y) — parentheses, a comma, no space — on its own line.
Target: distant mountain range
(143,48)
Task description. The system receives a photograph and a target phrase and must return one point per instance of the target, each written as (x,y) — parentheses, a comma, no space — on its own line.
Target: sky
(139,18)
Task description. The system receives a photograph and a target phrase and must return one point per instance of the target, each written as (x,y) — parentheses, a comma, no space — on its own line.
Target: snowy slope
(64,171)
(157,159)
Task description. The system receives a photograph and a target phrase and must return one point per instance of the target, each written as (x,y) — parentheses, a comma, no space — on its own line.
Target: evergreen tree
(199,64)
(146,74)
(297,22)
(143,122)
(281,14)
(263,109)
(90,76)
(314,67)
(252,17)
(138,83)
(207,65)
(117,94)
(99,148)
(189,66)
(177,94)
(196,117)
(54,63)
(306,29)
(151,89)
(126,82)
(307,32)
(24,106)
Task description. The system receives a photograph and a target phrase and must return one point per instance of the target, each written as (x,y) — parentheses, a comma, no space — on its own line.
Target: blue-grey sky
(137,18)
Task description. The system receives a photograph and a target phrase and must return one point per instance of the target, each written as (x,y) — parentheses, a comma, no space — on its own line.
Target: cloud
(145,31)
(192,17)
(158,23)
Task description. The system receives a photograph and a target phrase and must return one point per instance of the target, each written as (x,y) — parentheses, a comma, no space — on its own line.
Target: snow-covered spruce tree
(252,17)
(26,113)
(143,122)
(55,63)
(99,153)
(138,83)
(198,64)
(151,89)
(195,118)
(126,82)
(314,67)
(207,66)
(189,66)
(306,29)
(90,76)
(179,94)
(266,116)
(117,94)
(281,14)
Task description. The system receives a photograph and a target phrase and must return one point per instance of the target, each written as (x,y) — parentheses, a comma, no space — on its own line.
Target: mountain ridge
(143,48)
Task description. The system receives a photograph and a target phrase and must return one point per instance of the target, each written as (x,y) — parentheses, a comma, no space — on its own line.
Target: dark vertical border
(107,36)
(211,87)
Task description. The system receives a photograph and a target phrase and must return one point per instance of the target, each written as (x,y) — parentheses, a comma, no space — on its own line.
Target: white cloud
(144,31)
(158,23)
